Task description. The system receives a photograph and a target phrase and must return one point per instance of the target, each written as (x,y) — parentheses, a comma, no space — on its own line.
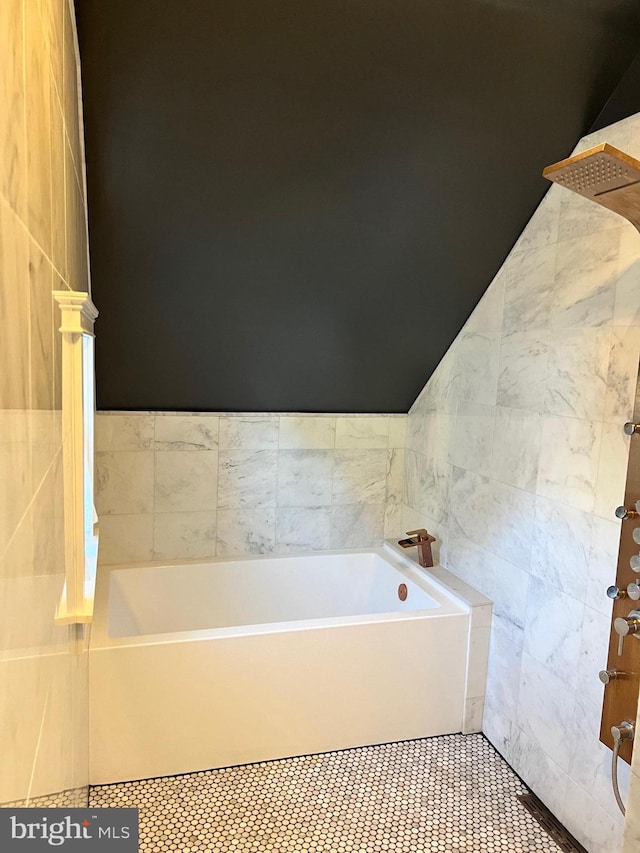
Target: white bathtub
(196,666)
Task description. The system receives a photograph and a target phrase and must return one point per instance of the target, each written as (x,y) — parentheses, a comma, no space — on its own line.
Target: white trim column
(78,317)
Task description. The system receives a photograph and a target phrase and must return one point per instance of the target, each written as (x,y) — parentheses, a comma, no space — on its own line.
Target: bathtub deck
(449,794)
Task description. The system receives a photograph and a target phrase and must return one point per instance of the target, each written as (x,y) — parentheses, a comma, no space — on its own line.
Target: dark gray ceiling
(295,204)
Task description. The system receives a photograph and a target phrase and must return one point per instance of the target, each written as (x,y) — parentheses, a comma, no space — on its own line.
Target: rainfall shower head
(605,175)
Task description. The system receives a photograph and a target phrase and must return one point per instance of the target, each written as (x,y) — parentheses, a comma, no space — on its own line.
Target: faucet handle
(633,590)
(614,593)
(623,513)
(625,625)
(422,535)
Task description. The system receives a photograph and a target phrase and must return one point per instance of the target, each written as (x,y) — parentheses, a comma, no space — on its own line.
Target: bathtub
(203,665)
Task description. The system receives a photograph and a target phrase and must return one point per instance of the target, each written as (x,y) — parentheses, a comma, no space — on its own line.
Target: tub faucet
(423,541)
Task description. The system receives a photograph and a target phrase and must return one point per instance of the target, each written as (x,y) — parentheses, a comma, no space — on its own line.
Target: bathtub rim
(447,590)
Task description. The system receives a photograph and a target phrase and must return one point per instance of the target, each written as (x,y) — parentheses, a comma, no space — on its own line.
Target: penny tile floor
(438,795)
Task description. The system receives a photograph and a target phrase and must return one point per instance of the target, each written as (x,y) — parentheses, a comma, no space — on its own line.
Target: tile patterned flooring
(450,794)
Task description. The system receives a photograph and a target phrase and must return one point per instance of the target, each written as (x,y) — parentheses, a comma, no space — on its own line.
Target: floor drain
(565,841)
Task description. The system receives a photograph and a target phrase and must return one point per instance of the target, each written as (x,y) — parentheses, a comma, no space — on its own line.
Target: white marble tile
(622,378)
(124,432)
(529,290)
(125,539)
(12,137)
(249,433)
(307,433)
(516,447)
(303,529)
(594,646)
(17,554)
(544,775)
(428,481)
(398,432)
(553,629)
(507,586)
(624,135)
(15,468)
(186,481)
(464,558)
(14,303)
(577,373)
(561,546)
(186,432)
(568,467)
(359,476)
(432,433)
(591,760)
(473,440)
(41,331)
(473,715)
(76,247)
(124,482)
(522,377)
(362,432)
(184,535)
(626,310)
(395,485)
(23,720)
(246,531)
(478,357)
(247,478)
(394,494)
(493,515)
(585,281)
(545,715)
(497,728)
(478,661)
(631,843)
(58,192)
(487,315)
(589,823)
(503,675)
(603,562)
(612,470)
(356,525)
(304,478)
(393,528)
(581,218)
(420,431)
(542,228)
(47,518)
(481,613)
(37,85)
(441,391)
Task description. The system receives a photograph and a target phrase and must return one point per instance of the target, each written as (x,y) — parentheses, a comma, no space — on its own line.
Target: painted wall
(43,247)
(281,187)
(183,486)
(516,459)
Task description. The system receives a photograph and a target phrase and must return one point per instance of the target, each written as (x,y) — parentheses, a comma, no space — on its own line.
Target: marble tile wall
(515,460)
(43,247)
(631,843)
(184,486)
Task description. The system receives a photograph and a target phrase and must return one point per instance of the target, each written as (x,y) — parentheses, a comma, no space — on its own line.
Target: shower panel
(611,178)
(622,675)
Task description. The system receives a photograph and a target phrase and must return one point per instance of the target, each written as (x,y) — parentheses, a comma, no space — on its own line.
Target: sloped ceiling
(295,204)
